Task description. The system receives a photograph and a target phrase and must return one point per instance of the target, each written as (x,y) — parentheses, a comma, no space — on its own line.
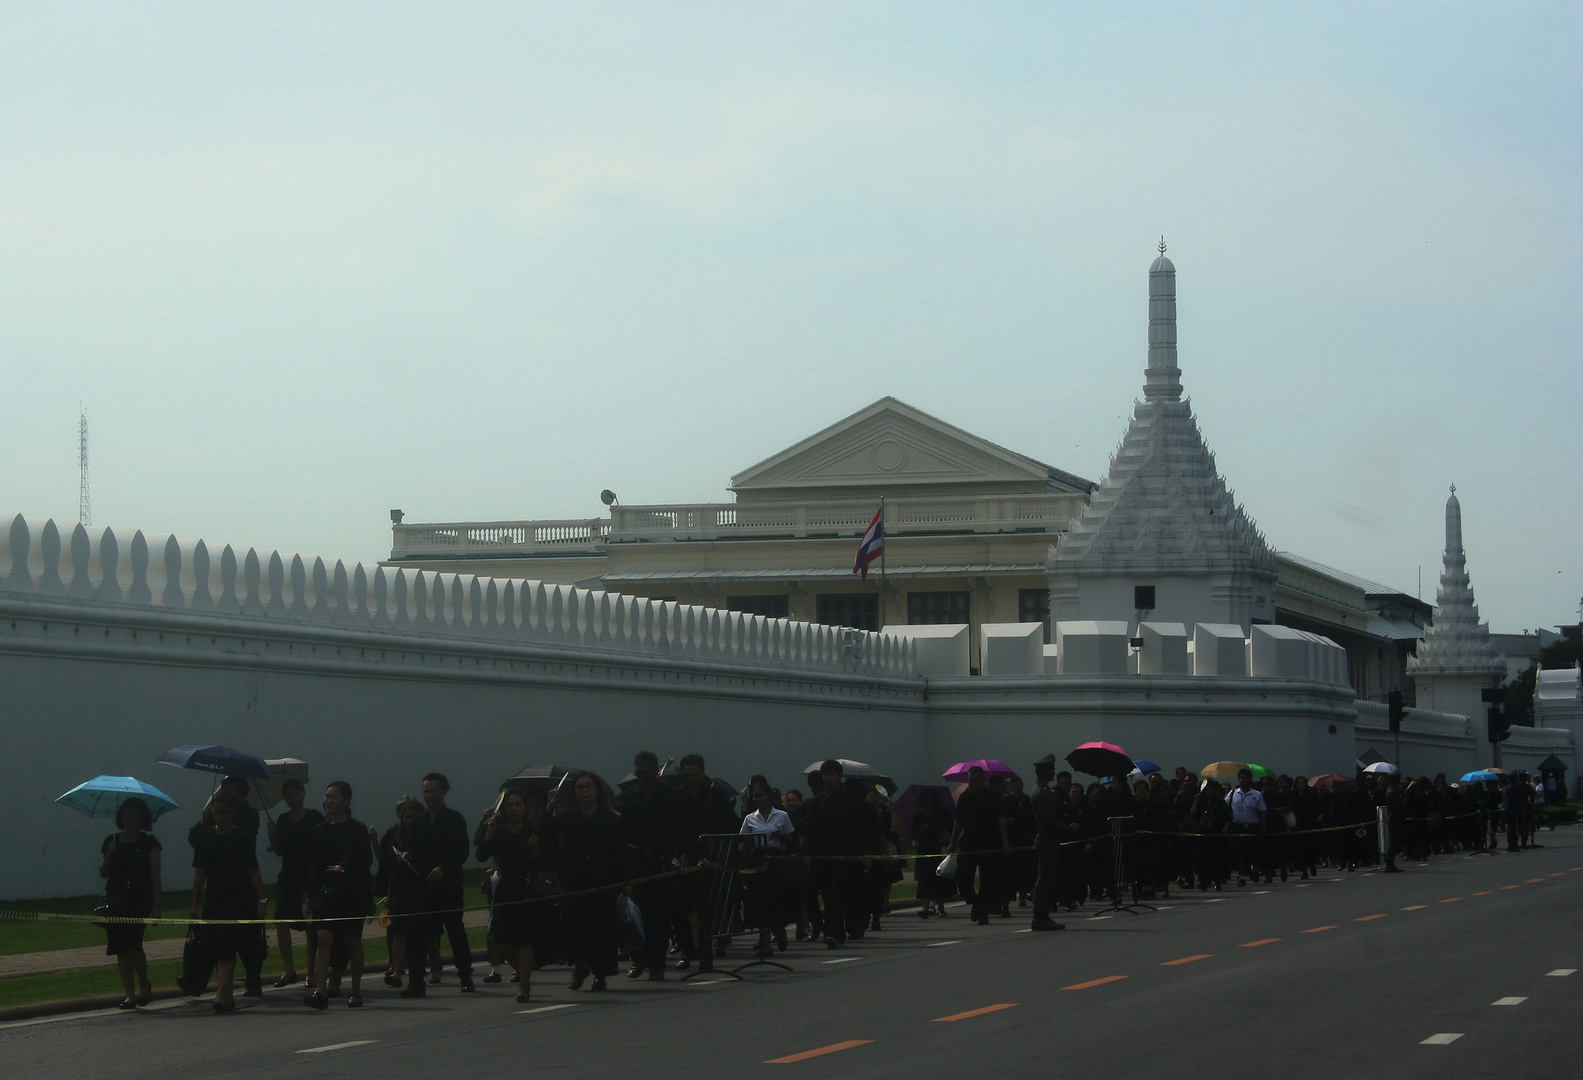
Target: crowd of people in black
(574,861)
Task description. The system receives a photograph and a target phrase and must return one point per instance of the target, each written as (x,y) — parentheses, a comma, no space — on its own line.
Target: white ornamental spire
(1456,643)
(1163,382)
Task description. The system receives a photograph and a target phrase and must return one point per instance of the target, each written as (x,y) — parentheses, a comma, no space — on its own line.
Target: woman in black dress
(225,880)
(129,864)
(398,881)
(590,846)
(522,929)
(931,828)
(288,838)
(340,890)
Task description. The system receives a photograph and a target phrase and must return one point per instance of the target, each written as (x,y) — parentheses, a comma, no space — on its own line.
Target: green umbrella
(1260,772)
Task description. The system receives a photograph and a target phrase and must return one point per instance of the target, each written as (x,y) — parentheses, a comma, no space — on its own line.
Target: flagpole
(882,539)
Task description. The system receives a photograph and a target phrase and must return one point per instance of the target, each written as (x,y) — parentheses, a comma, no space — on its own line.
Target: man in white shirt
(1247,820)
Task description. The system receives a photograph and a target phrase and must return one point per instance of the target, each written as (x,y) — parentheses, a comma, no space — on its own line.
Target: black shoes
(1049,926)
(579,974)
(319,1001)
(492,977)
(636,971)
(467,983)
(416,990)
(599,983)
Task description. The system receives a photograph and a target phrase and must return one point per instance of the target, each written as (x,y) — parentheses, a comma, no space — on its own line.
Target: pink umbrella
(990,766)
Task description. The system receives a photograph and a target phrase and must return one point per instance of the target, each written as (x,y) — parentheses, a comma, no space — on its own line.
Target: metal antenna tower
(84,511)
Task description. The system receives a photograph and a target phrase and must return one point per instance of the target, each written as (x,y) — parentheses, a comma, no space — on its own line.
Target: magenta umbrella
(990,766)
(1100,759)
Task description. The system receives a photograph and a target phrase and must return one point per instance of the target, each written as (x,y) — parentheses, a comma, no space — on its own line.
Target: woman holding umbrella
(586,838)
(225,879)
(129,863)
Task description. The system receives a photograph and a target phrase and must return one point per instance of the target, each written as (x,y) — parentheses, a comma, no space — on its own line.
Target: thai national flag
(873,544)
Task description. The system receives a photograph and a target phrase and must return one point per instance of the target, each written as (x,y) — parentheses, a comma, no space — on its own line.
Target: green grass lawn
(26,937)
(92,982)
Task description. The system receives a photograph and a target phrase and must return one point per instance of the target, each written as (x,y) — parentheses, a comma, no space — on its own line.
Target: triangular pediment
(890,446)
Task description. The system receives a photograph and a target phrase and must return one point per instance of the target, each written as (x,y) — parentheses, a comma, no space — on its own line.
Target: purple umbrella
(990,766)
(908,803)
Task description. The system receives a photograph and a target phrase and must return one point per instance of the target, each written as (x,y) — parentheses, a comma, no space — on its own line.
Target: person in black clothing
(1389,796)
(1022,828)
(398,882)
(339,890)
(225,879)
(518,926)
(288,838)
(252,947)
(1050,830)
(931,827)
(840,824)
(705,808)
(129,863)
(651,818)
(981,835)
(439,850)
(591,847)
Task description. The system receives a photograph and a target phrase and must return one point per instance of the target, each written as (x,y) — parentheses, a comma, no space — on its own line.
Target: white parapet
(1280,652)
(1015,648)
(1558,697)
(1087,647)
(1164,649)
(1052,660)
(940,652)
(1220,649)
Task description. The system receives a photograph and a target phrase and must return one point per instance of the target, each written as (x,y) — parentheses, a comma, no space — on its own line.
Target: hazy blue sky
(304,263)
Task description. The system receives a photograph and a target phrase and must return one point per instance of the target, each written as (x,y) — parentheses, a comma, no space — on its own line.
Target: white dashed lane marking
(1445,1038)
(1562,971)
(337,1046)
(545,1009)
(1509,1001)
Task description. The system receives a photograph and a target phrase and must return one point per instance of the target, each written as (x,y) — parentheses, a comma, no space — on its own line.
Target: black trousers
(444,914)
(1044,894)
(655,904)
(838,886)
(990,866)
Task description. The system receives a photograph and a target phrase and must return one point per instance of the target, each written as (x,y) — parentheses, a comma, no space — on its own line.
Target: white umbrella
(263,794)
(850,768)
(1383,767)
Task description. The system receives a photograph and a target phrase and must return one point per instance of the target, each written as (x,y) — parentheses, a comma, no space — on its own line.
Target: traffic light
(1397,712)
(1500,727)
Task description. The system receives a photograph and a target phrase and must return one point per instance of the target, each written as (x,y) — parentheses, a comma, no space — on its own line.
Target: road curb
(72,1005)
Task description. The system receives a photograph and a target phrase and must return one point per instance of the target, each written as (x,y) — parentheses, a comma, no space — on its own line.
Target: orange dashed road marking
(1558,875)
(1188,959)
(972,1013)
(1311,930)
(1451,899)
(1094,982)
(1369,918)
(1256,944)
(1420,907)
(1486,892)
(1505,887)
(806,1054)
(1535,880)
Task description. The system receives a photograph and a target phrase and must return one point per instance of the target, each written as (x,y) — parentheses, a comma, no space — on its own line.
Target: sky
(300,264)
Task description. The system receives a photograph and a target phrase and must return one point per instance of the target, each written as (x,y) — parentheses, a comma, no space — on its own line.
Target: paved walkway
(93,956)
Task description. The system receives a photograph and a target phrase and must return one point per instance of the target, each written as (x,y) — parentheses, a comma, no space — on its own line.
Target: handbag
(197,963)
(947,868)
(547,883)
(113,907)
(629,923)
(1290,818)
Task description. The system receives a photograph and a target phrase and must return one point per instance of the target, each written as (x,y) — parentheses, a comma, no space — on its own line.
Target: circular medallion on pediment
(889,455)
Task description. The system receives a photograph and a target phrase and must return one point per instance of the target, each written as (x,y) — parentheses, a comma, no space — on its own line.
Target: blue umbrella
(218,759)
(102,796)
(1146,767)
(1478,775)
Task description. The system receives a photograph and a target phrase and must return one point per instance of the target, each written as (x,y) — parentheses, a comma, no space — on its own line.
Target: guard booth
(1553,776)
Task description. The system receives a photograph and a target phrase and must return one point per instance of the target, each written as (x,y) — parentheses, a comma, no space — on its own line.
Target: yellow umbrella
(1222,770)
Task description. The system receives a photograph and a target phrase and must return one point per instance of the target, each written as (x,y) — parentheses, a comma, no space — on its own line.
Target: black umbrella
(217,759)
(668,771)
(535,778)
(1100,759)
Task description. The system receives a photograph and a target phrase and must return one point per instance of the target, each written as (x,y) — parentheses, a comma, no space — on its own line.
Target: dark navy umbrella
(217,759)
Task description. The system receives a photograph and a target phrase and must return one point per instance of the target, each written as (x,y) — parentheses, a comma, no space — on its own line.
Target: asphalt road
(1347,976)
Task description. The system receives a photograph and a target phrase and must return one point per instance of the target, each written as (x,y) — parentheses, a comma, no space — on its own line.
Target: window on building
(929,608)
(857,610)
(771,607)
(1143,597)
(1033,605)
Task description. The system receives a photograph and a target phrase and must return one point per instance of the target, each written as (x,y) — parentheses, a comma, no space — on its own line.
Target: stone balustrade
(99,564)
(727,521)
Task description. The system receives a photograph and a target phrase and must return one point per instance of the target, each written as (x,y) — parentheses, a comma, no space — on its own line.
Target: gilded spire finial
(1453,489)
(1162,245)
